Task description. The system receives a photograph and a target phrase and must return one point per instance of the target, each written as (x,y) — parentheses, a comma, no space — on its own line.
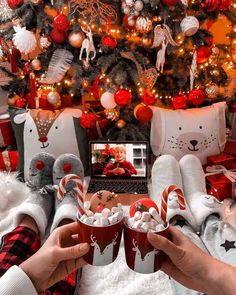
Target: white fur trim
(36,212)
(67,211)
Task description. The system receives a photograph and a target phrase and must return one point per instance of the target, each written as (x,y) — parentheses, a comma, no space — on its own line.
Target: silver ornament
(44,42)
(212,90)
(112,114)
(189,25)
(129,2)
(54,98)
(138,5)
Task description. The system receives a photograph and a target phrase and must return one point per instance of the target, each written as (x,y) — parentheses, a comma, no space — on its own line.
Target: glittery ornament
(203,54)
(5,12)
(122,97)
(13,4)
(109,41)
(61,23)
(196,97)
(76,38)
(189,25)
(120,124)
(179,102)
(143,24)
(44,42)
(87,120)
(224,5)
(54,98)
(143,113)
(210,5)
(112,114)
(36,64)
(212,91)
(148,99)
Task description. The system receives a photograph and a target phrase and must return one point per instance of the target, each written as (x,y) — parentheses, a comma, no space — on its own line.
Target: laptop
(119,167)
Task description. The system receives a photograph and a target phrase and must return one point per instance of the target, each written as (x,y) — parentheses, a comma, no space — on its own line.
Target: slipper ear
(157,134)
(220,109)
(165,171)
(193,176)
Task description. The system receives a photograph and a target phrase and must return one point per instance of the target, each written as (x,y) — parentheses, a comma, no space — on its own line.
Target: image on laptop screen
(118,160)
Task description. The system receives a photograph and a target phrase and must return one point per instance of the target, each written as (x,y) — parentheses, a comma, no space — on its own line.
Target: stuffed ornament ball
(148,99)
(143,113)
(123,97)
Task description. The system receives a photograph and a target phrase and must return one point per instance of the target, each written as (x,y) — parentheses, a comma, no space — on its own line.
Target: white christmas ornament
(24,40)
(138,5)
(143,24)
(129,2)
(54,98)
(107,100)
(44,42)
(189,25)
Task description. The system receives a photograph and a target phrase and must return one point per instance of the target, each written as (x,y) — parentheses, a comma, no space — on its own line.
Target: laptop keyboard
(119,187)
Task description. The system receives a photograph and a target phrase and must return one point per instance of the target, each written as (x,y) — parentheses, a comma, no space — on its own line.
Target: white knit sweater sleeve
(16,282)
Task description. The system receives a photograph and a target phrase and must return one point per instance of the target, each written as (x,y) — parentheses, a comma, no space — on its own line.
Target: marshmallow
(115,209)
(137,215)
(83,217)
(106,212)
(160,227)
(146,216)
(118,215)
(155,215)
(104,221)
(89,220)
(97,216)
(112,219)
(130,222)
(89,213)
(145,227)
(137,224)
(97,222)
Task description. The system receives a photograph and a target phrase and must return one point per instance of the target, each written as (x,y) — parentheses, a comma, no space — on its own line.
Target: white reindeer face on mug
(48,131)
(143,264)
(103,256)
(199,131)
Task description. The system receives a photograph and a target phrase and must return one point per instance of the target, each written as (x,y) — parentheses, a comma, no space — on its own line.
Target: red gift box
(230,148)
(8,160)
(7,136)
(222,159)
(222,185)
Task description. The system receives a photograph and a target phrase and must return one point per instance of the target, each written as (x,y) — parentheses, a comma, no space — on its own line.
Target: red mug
(104,242)
(140,255)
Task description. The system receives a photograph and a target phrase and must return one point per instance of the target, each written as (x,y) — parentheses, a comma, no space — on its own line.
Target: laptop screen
(122,160)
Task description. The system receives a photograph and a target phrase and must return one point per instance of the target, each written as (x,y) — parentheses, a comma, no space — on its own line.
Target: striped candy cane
(78,189)
(164,200)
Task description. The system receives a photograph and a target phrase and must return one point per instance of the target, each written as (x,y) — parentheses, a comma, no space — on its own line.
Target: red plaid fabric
(19,245)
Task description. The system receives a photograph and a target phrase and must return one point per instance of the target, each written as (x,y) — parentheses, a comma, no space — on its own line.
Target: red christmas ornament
(224,5)
(20,103)
(126,23)
(13,4)
(57,36)
(148,99)
(196,97)
(109,41)
(61,23)
(179,102)
(203,53)
(122,97)
(170,2)
(210,5)
(87,120)
(143,113)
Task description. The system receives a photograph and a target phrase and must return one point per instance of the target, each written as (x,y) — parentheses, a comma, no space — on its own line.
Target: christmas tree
(116,58)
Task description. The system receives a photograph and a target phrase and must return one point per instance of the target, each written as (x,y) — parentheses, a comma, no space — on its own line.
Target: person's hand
(115,171)
(57,258)
(121,171)
(188,264)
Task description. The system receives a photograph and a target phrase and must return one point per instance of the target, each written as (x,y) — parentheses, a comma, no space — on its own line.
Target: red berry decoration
(142,205)
(196,97)
(122,97)
(20,103)
(224,5)
(13,4)
(57,36)
(148,99)
(143,113)
(109,41)
(203,53)
(170,2)
(87,120)
(179,102)
(61,23)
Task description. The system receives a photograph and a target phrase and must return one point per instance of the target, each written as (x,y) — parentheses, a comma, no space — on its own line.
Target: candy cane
(164,200)
(78,189)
